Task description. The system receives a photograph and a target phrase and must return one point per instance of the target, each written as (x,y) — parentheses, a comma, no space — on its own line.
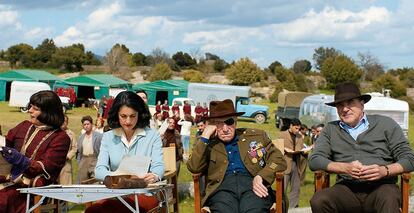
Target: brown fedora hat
(221,109)
(348,91)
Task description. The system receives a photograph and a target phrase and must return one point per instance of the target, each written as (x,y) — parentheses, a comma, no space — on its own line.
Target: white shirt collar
(120,133)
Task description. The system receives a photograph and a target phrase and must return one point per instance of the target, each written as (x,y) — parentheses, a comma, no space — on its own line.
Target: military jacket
(212,160)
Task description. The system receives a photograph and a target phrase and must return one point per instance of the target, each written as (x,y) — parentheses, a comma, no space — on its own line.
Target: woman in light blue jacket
(130,135)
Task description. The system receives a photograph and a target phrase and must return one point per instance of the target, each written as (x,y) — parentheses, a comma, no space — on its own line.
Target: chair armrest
(405,191)
(279,191)
(169,174)
(321,179)
(197,196)
(196,176)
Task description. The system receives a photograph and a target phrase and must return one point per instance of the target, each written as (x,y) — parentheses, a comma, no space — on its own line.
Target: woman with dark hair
(129,135)
(36,149)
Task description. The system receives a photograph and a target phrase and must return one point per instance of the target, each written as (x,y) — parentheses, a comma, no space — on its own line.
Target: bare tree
(370,66)
(116,58)
(157,56)
(196,54)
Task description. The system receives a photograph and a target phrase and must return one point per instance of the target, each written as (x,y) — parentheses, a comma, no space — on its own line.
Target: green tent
(23,75)
(95,86)
(163,90)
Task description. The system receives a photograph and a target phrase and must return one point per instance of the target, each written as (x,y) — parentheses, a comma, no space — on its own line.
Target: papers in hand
(307,149)
(133,165)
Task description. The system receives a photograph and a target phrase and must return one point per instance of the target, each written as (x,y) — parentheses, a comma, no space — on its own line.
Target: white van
(313,109)
(21,91)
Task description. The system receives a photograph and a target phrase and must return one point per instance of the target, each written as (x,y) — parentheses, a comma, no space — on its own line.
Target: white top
(87,145)
(185,127)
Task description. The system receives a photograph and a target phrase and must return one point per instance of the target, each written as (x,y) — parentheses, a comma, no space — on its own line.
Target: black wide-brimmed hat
(348,91)
(221,109)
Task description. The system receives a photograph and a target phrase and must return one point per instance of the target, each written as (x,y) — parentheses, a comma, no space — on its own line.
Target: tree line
(48,55)
(329,64)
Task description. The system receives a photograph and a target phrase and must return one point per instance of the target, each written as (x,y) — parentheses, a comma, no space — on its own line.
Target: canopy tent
(23,75)
(95,86)
(163,90)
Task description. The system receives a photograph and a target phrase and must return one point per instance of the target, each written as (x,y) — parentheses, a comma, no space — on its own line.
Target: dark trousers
(357,198)
(235,194)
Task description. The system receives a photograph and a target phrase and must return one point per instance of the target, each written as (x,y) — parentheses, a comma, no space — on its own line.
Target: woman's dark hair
(132,100)
(50,107)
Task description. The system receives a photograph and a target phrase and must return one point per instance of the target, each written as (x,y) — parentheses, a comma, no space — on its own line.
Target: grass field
(9,117)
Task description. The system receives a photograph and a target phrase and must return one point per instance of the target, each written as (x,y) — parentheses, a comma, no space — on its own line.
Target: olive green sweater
(382,143)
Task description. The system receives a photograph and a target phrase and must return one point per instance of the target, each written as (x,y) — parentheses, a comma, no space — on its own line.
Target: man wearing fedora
(366,152)
(239,164)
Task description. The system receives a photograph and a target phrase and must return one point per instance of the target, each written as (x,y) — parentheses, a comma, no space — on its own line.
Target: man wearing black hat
(366,151)
(240,164)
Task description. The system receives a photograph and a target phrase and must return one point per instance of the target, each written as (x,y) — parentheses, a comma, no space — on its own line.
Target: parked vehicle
(288,107)
(20,92)
(391,107)
(313,109)
(204,93)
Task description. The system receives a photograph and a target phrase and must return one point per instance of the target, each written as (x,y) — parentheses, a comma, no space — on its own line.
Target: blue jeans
(186,142)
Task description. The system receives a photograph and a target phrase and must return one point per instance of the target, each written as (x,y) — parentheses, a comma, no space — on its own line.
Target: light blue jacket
(113,149)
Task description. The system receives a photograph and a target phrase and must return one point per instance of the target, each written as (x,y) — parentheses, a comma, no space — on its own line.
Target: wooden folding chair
(170,174)
(322,181)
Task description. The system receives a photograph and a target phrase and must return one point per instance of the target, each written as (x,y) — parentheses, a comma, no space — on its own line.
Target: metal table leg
(129,206)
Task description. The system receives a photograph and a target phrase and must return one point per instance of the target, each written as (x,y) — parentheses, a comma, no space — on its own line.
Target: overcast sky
(263,30)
